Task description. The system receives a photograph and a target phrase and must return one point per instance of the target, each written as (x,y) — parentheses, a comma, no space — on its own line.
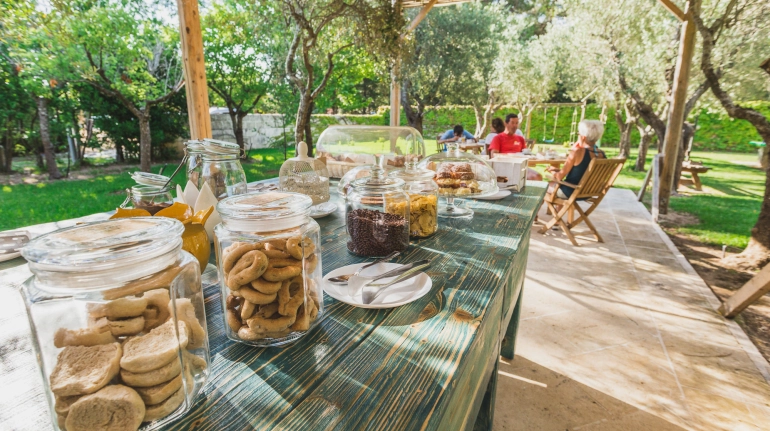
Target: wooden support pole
(420,16)
(746,295)
(194,69)
(674,9)
(673,138)
(395,102)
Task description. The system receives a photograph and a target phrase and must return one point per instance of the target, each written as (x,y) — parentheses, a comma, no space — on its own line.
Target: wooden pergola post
(673,138)
(191,40)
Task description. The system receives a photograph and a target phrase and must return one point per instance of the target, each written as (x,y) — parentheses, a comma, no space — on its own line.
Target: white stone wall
(258,129)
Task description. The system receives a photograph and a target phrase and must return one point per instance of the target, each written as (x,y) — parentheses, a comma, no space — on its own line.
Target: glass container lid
(150,180)
(461,174)
(194,146)
(412,172)
(378,181)
(264,211)
(396,141)
(305,175)
(104,246)
(215,147)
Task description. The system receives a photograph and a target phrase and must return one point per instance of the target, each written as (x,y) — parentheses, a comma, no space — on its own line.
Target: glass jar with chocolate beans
(373,229)
(423,199)
(269,261)
(118,324)
(151,193)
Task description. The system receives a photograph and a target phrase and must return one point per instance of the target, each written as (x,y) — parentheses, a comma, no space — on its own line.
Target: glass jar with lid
(269,261)
(151,193)
(194,150)
(221,169)
(373,231)
(423,199)
(459,175)
(306,175)
(116,312)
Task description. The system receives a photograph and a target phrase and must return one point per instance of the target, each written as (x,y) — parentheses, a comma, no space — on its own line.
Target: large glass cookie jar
(269,260)
(423,199)
(118,323)
(374,231)
(460,175)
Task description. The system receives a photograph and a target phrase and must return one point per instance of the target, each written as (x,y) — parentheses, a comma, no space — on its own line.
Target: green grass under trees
(727,210)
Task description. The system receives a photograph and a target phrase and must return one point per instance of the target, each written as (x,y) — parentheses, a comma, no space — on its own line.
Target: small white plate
(495,197)
(393,296)
(322,210)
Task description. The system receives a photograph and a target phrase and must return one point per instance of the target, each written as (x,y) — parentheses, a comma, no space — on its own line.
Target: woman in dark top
(585,150)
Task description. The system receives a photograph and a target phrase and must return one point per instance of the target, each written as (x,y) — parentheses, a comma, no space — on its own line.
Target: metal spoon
(343,279)
(372,290)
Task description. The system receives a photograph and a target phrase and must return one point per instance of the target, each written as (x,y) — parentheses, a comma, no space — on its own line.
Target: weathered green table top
(413,367)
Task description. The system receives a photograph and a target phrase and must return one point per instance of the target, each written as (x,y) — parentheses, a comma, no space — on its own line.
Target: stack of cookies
(124,368)
(456,179)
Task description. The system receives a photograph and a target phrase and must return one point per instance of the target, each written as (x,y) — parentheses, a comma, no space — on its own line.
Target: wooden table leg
(508,347)
(486,415)
(696,181)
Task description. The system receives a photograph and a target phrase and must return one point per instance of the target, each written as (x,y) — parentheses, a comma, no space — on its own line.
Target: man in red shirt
(508,141)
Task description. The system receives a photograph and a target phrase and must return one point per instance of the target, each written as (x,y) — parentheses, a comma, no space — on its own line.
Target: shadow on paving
(532,397)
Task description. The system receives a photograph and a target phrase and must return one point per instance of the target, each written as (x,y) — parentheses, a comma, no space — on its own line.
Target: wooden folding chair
(597,180)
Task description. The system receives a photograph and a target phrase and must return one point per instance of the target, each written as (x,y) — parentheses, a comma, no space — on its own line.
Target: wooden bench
(693,169)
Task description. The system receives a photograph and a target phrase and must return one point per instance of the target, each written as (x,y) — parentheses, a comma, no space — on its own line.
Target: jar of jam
(269,259)
(118,323)
(373,231)
(151,193)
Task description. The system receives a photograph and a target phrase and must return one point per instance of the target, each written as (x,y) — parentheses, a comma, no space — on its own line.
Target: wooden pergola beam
(420,16)
(673,138)
(674,9)
(191,39)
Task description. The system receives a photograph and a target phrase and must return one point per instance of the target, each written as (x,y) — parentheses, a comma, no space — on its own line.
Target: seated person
(454,134)
(511,141)
(497,128)
(508,141)
(589,133)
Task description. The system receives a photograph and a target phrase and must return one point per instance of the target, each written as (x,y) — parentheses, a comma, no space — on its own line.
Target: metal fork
(372,290)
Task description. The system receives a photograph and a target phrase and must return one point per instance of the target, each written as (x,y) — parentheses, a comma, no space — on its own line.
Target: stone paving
(623,335)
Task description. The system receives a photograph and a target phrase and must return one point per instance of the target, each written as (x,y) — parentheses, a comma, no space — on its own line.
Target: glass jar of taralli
(118,324)
(269,260)
(423,199)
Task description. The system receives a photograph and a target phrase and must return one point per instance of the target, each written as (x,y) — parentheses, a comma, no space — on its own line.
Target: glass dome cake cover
(461,174)
(343,148)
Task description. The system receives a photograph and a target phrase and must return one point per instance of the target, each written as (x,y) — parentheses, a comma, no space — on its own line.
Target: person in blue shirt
(455,134)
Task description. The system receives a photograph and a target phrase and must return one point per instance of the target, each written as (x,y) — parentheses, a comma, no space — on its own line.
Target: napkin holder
(512,169)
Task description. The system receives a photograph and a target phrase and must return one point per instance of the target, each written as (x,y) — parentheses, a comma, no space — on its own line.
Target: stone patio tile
(639,420)
(715,412)
(652,242)
(658,264)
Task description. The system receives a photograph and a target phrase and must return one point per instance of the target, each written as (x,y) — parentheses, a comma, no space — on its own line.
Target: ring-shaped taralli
(290,308)
(281,274)
(275,244)
(311,262)
(234,252)
(276,254)
(282,263)
(298,247)
(255,297)
(233,320)
(266,287)
(268,310)
(249,268)
(260,324)
(247,309)
(246,333)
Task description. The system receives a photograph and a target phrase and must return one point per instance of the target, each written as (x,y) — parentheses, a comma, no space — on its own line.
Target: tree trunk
(303,120)
(7,164)
(644,143)
(119,156)
(145,141)
(237,124)
(413,118)
(625,134)
(45,137)
(481,125)
(309,131)
(687,131)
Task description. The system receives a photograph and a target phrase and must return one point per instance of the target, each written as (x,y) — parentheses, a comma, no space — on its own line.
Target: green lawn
(726,214)
(28,204)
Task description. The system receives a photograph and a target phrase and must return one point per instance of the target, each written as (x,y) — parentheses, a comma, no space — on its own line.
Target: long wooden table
(428,365)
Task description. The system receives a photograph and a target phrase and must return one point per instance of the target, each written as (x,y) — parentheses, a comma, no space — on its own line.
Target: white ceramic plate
(495,197)
(322,210)
(393,296)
